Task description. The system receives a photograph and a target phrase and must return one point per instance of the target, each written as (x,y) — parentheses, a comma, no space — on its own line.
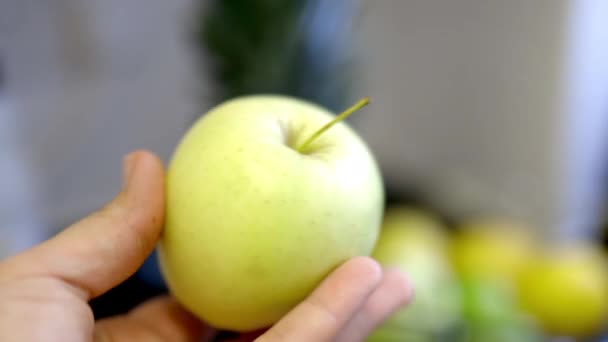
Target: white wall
(472,100)
(469,102)
(585,118)
(88,81)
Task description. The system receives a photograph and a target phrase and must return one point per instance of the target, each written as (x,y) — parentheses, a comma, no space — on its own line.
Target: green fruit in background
(258,213)
(491,249)
(491,313)
(398,334)
(567,290)
(521,330)
(487,302)
(414,241)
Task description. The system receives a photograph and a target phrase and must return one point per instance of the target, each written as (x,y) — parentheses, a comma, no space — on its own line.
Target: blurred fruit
(490,313)
(395,333)
(567,290)
(487,302)
(489,256)
(414,241)
(491,249)
(517,330)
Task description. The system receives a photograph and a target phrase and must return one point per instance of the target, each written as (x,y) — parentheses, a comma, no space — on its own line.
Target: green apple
(487,302)
(414,241)
(567,290)
(491,313)
(266,195)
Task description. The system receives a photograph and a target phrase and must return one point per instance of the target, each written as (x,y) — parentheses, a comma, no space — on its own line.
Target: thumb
(105,248)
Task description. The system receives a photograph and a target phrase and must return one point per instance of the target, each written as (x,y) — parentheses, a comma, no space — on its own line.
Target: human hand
(44,291)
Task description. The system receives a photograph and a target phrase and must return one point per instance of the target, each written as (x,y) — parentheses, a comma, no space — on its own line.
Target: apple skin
(252,225)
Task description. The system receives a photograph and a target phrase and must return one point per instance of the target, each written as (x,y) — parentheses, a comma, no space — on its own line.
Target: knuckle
(319,308)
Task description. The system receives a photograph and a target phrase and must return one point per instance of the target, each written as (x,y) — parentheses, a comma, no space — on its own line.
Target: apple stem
(362,103)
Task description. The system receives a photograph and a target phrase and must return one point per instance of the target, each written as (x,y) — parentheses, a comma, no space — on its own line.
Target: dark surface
(124,297)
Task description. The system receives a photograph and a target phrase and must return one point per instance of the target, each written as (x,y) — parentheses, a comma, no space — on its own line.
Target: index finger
(322,315)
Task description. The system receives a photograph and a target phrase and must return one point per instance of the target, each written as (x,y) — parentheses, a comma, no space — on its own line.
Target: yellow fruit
(491,249)
(567,290)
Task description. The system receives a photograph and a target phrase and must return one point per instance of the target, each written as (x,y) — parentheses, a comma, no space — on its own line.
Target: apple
(490,313)
(487,302)
(266,195)
(566,290)
(414,240)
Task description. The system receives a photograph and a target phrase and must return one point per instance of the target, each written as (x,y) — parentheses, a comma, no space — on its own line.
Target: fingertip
(332,304)
(142,200)
(128,166)
(394,293)
(401,285)
(150,156)
(146,160)
(365,269)
(142,171)
(142,152)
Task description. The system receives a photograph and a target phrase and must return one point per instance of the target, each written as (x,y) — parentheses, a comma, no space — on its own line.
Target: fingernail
(129,162)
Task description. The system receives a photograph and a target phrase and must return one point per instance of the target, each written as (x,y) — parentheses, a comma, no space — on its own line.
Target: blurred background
(489,120)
